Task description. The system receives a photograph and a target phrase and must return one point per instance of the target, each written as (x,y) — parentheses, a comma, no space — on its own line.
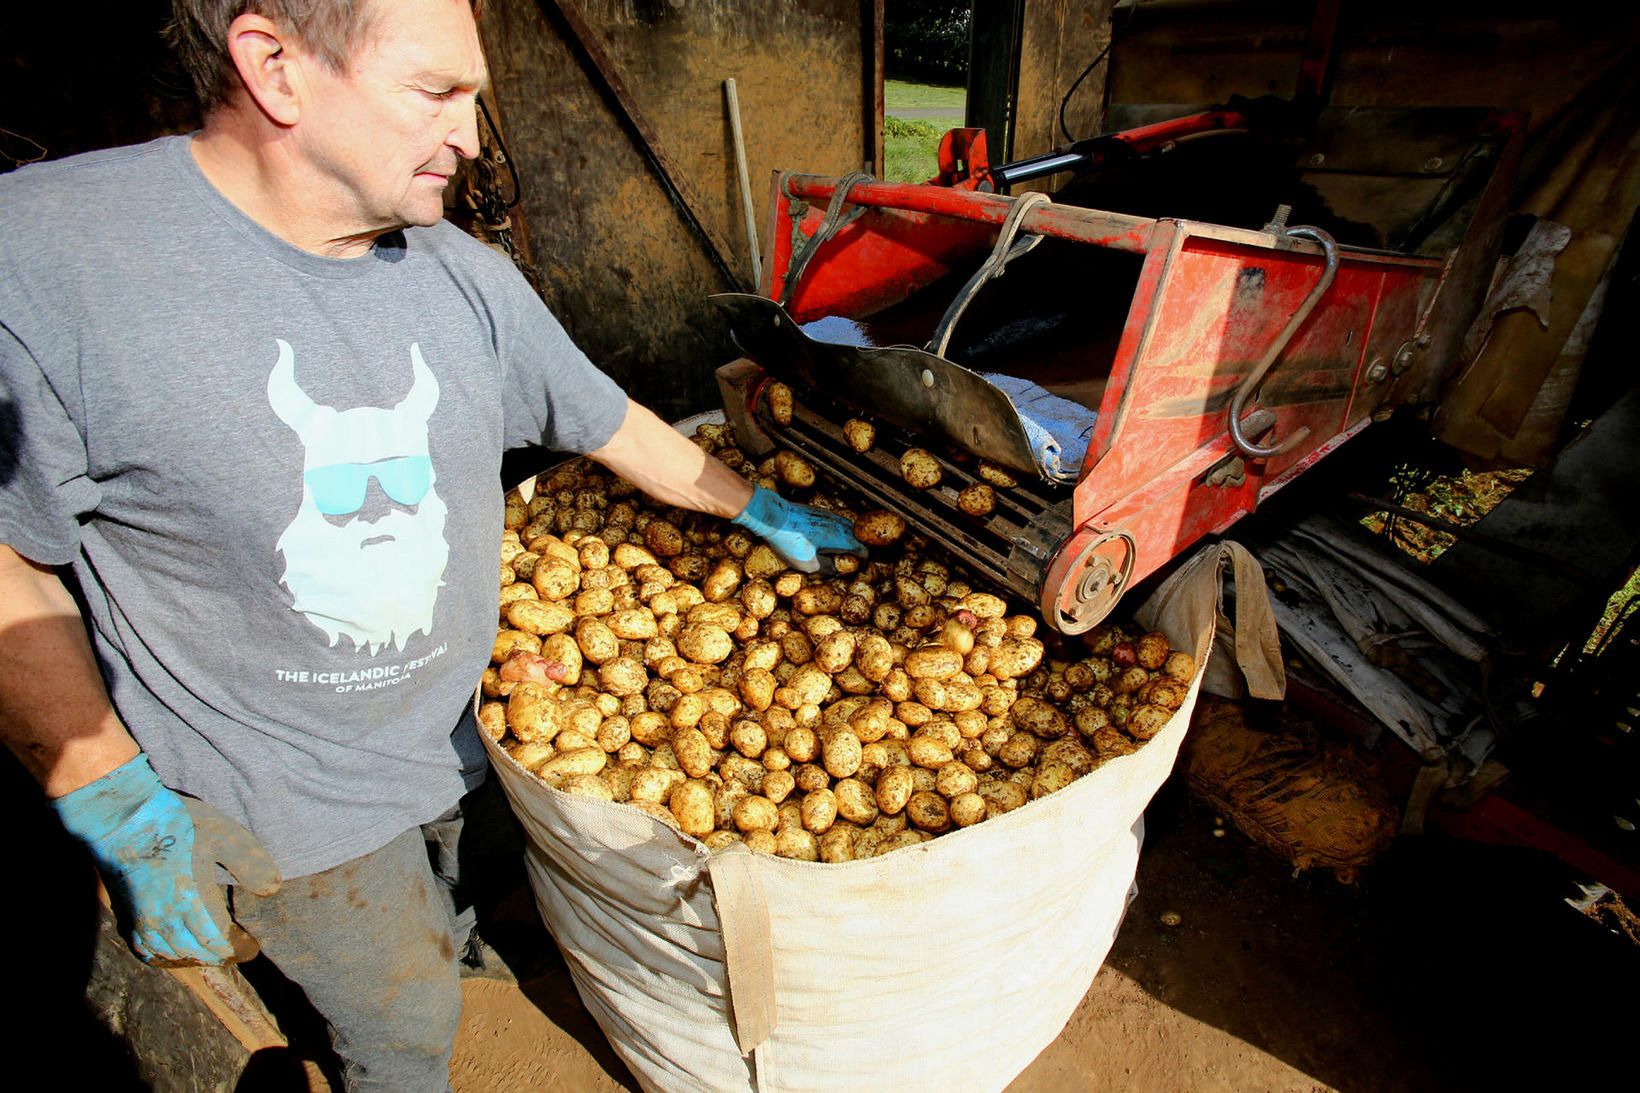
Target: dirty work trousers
(374,942)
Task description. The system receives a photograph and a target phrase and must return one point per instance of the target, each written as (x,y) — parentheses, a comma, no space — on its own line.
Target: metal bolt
(1433,163)
(1093,582)
(928,377)
(1232,472)
(1403,358)
(1377,370)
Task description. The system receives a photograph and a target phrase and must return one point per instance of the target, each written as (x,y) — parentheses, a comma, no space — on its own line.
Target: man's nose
(464,137)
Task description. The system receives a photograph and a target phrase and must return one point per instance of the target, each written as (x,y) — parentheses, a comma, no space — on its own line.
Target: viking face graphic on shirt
(365,555)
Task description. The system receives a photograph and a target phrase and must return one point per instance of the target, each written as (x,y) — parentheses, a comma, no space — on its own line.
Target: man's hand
(157,852)
(801,534)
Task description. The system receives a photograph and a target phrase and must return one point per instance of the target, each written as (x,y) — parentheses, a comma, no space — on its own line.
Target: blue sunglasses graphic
(339,489)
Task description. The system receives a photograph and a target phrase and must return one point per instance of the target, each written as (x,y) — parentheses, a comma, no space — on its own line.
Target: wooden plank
(232,1001)
(224,992)
(608,78)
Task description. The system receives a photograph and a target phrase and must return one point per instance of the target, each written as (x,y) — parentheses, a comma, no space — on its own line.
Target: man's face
(387,133)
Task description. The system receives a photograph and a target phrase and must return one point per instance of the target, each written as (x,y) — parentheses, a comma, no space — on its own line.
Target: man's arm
(669,467)
(155,850)
(54,709)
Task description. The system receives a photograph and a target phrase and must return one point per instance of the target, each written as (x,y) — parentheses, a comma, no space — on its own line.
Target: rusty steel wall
(620,267)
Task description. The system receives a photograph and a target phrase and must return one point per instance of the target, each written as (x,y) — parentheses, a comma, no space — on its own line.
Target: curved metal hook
(1005,251)
(829,227)
(1256,376)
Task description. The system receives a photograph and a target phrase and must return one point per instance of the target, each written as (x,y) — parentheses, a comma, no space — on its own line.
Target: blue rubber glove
(801,534)
(157,852)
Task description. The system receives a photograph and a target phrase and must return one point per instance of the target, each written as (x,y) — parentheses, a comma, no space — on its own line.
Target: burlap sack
(1308,801)
(944,966)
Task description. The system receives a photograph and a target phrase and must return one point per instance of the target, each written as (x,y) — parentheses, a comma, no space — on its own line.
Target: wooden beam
(871,45)
(993,55)
(233,1002)
(224,992)
(581,37)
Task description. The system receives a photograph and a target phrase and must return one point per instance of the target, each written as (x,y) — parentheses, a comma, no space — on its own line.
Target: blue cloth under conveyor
(1057,428)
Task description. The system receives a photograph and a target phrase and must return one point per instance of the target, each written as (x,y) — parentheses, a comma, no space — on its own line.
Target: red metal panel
(1498,820)
(1118,231)
(1143,317)
(1176,508)
(1393,324)
(1217,312)
(878,260)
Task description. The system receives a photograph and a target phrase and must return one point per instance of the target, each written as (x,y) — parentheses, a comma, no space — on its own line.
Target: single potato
(691,806)
(780,402)
(977,500)
(928,811)
(920,469)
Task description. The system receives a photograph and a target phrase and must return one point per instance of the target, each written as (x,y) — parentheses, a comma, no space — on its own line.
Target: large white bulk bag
(947,965)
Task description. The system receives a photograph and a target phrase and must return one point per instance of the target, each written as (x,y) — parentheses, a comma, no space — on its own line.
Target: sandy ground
(1449,966)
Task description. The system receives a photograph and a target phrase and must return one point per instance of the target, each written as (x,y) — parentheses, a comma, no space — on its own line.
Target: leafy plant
(927,38)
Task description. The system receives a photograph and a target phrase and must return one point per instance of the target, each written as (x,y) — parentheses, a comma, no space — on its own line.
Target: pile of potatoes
(672,662)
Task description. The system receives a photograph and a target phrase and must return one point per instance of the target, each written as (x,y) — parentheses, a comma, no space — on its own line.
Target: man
(256,395)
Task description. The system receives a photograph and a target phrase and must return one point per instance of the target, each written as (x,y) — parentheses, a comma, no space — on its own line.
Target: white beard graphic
(361,562)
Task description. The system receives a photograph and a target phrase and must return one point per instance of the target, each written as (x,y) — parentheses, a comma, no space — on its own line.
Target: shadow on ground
(1450,965)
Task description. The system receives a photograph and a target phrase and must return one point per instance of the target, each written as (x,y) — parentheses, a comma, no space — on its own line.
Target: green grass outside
(910,149)
(911,145)
(1620,599)
(905,95)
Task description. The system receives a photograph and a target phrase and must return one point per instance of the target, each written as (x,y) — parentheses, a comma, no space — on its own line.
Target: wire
(40,151)
(1066,101)
(1132,10)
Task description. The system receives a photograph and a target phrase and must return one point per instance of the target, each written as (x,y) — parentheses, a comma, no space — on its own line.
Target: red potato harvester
(1215,362)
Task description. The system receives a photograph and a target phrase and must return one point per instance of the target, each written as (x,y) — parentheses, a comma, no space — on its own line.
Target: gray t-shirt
(276,478)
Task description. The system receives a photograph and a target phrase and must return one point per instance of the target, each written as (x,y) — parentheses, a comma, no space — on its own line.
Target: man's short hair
(333,30)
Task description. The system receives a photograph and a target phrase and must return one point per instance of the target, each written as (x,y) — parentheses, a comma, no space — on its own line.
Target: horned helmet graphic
(365,552)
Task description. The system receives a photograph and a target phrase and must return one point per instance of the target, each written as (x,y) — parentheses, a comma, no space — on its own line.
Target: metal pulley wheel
(1086,578)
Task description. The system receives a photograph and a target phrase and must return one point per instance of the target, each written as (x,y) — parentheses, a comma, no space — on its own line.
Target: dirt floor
(1449,966)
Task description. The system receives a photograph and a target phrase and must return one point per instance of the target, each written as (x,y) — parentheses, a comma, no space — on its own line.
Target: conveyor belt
(1013,546)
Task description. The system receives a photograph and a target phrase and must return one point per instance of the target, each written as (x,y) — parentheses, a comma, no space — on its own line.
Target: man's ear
(269,70)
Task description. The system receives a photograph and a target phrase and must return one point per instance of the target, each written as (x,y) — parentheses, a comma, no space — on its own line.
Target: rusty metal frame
(1117,231)
(1162,468)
